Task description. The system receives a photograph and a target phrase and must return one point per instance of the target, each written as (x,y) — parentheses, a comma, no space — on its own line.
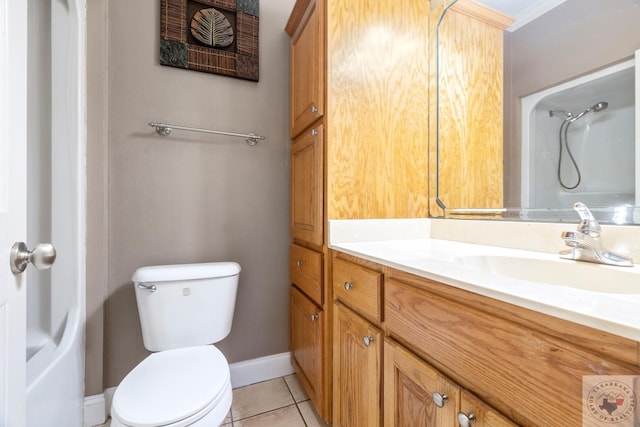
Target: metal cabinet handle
(367,341)
(465,420)
(313,109)
(314,317)
(314,132)
(42,256)
(348,286)
(299,263)
(439,399)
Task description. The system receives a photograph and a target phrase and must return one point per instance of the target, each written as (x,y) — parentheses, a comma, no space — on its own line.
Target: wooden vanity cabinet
(499,365)
(512,359)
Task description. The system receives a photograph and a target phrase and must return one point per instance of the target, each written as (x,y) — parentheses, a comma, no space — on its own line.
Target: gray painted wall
(189,197)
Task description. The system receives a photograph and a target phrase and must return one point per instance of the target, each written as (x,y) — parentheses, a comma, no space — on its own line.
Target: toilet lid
(171,385)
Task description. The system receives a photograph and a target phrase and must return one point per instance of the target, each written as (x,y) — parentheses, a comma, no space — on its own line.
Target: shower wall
(602,143)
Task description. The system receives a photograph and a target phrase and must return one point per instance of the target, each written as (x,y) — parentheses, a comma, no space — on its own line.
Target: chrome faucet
(585,242)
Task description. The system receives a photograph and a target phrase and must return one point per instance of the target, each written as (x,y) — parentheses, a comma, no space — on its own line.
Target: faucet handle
(588,223)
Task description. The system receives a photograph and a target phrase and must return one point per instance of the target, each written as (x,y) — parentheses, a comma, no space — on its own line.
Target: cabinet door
(307,67)
(415,394)
(306,344)
(307,155)
(356,370)
(476,413)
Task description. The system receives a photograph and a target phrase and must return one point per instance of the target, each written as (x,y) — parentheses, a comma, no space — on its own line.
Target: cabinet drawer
(358,287)
(305,267)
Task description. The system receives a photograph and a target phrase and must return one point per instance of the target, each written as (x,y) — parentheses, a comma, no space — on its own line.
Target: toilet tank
(187,304)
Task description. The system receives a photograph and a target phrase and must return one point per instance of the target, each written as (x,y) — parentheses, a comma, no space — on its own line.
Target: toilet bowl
(183,387)
(186,382)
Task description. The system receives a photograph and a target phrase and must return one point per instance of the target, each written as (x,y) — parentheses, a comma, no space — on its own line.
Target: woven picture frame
(179,48)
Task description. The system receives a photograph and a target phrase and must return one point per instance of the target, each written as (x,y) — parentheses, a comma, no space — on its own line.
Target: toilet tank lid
(169,273)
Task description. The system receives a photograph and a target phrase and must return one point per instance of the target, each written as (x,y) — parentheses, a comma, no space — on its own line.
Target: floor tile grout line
(267,412)
(304,420)
(293,400)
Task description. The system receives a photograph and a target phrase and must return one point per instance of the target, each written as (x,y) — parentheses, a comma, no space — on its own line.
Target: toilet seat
(173,388)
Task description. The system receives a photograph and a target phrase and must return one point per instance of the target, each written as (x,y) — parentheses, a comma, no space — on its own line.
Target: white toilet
(183,309)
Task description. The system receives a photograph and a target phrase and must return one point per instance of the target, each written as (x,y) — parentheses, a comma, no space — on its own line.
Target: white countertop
(439,259)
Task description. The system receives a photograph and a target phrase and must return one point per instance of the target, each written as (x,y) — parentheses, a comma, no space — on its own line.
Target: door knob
(42,256)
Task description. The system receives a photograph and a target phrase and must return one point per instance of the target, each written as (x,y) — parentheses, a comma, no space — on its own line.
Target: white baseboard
(97,407)
(94,410)
(260,369)
(108,398)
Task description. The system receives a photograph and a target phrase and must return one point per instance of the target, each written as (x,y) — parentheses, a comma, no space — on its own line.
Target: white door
(13,209)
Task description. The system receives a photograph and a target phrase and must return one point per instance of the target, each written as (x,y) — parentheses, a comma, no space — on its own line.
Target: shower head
(598,106)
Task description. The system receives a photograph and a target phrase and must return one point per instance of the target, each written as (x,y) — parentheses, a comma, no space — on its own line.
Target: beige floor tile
(311,418)
(258,398)
(296,389)
(283,417)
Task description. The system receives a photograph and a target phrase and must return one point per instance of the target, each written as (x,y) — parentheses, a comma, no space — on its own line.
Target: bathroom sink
(580,275)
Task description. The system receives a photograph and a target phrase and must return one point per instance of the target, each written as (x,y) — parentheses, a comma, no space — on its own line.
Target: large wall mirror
(536,109)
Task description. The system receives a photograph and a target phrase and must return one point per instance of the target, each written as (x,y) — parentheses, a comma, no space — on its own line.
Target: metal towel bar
(165,129)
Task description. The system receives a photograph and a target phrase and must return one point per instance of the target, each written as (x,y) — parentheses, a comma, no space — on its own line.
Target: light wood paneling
(377,86)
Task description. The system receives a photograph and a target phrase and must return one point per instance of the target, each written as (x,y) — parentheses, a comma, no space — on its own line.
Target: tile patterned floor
(280,402)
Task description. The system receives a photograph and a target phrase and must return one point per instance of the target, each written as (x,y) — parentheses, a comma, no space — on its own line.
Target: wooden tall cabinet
(359,129)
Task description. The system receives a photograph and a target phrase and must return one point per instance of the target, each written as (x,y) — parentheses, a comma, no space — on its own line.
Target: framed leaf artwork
(212,36)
